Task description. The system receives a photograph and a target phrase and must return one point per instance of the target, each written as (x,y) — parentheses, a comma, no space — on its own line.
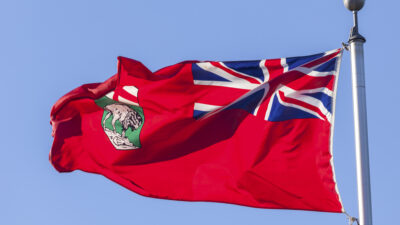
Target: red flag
(253,133)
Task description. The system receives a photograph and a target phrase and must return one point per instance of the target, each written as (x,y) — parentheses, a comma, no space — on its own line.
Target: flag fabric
(254,133)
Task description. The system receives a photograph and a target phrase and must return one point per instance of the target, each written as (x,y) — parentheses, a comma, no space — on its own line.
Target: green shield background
(132,135)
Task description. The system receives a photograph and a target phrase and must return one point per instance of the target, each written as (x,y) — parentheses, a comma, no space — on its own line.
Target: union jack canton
(273,89)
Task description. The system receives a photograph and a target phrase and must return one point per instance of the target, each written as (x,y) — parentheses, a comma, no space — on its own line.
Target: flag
(253,133)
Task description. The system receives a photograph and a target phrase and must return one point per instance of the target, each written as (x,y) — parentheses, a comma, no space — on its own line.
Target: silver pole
(356,42)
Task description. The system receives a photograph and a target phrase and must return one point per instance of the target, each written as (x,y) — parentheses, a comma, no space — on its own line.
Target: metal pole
(356,42)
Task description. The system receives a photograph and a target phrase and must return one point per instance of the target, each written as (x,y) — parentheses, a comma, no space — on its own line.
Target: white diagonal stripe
(126,101)
(314,73)
(205,107)
(315,90)
(298,107)
(238,84)
(220,72)
(110,95)
(330,52)
(290,93)
(262,86)
(131,90)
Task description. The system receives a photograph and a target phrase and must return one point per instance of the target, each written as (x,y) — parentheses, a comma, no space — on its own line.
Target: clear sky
(47,48)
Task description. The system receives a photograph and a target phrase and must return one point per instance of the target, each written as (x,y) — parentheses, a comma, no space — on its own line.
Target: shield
(122,123)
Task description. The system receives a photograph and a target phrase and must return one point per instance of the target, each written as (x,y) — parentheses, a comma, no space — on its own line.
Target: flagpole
(356,42)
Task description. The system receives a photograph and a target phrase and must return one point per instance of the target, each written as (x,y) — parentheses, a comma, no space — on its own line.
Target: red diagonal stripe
(321,60)
(121,92)
(309,82)
(301,103)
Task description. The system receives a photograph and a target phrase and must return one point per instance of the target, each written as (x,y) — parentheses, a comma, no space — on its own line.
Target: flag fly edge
(337,71)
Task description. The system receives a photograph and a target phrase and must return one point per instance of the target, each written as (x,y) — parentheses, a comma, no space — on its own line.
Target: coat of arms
(122,122)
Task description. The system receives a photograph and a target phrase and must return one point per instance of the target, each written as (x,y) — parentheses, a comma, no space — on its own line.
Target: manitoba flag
(254,133)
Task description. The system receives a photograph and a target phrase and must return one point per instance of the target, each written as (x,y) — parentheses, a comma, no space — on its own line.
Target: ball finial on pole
(354,5)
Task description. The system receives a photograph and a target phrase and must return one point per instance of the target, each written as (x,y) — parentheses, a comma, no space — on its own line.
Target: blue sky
(49,47)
